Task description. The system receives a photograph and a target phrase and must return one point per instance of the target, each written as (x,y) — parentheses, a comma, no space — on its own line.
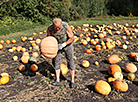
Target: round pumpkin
(22,67)
(7,41)
(1,46)
(34,67)
(85,63)
(121,86)
(102,87)
(49,47)
(113,59)
(98,47)
(118,75)
(63,69)
(35,54)
(130,67)
(4,79)
(18,48)
(131,76)
(132,54)
(114,68)
(13,41)
(25,57)
(88,51)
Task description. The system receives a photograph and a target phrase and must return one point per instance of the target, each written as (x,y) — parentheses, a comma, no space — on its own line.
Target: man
(63,33)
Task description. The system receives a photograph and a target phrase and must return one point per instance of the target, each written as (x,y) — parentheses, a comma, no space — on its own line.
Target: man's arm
(70,35)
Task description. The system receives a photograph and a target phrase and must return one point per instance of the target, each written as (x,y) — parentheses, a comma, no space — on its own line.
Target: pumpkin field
(106,60)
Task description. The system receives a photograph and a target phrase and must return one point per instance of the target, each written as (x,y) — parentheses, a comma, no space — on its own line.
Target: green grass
(92,21)
(106,20)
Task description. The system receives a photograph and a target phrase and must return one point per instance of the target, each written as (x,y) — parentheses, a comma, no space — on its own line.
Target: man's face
(58,27)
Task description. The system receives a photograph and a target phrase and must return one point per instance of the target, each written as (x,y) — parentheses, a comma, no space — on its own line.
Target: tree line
(67,10)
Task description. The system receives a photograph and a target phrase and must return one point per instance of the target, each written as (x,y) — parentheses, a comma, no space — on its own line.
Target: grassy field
(92,21)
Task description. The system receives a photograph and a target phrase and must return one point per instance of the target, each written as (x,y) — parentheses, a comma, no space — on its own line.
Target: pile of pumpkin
(97,36)
(117,81)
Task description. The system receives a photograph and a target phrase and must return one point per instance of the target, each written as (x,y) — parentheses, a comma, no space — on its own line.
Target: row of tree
(44,10)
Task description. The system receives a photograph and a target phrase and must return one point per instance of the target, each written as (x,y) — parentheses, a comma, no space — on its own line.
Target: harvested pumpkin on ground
(102,87)
(113,59)
(121,86)
(4,80)
(131,76)
(34,67)
(63,69)
(22,67)
(85,63)
(114,68)
(130,67)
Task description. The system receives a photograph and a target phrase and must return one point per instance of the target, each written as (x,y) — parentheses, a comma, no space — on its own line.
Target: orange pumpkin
(85,63)
(88,51)
(101,36)
(49,47)
(113,59)
(7,41)
(33,44)
(118,42)
(23,49)
(18,48)
(4,79)
(1,46)
(34,67)
(131,76)
(114,68)
(35,54)
(132,54)
(13,41)
(22,67)
(98,47)
(1,41)
(93,42)
(25,58)
(102,87)
(121,86)
(63,69)
(130,67)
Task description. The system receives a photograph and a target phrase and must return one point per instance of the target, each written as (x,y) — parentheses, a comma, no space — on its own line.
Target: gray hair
(57,21)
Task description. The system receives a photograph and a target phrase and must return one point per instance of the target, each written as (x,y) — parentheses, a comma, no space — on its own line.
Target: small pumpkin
(25,57)
(7,41)
(33,59)
(102,87)
(132,54)
(121,86)
(21,67)
(130,67)
(2,41)
(111,80)
(101,35)
(136,57)
(131,76)
(63,69)
(23,49)
(4,80)
(35,54)
(114,68)
(118,75)
(113,59)
(98,47)
(13,41)
(88,51)
(1,46)
(18,48)
(34,67)
(85,63)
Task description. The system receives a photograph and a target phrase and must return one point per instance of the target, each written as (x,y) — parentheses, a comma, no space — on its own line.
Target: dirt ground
(29,86)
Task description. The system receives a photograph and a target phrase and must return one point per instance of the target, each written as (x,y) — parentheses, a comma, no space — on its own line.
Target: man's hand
(61,46)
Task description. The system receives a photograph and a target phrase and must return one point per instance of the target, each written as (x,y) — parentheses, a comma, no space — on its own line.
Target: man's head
(57,23)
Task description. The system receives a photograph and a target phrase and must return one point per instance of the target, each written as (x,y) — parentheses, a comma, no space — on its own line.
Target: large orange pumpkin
(102,87)
(63,69)
(114,68)
(121,86)
(49,47)
(130,67)
(113,59)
